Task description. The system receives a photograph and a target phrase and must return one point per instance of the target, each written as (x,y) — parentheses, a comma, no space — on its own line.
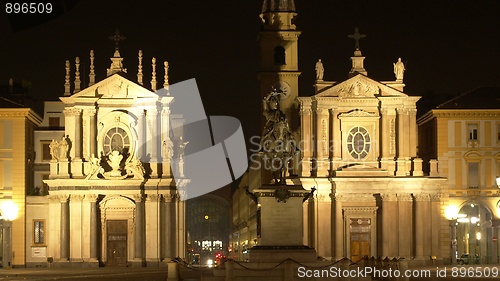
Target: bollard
(346,265)
(229,270)
(403,267)
(288,271)
(173,271)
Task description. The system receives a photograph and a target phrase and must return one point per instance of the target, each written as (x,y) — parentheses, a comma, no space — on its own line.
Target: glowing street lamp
(452,214)
(9,212)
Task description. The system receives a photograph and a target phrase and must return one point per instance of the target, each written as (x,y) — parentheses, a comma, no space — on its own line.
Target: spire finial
(77,75)
(165,83)
(67,85)
(356,36)
(92,73)
(117,38)
(153,79)
(139,71)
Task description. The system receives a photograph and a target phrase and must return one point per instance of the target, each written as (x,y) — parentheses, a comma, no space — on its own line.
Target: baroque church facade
(111,198)
(358,149)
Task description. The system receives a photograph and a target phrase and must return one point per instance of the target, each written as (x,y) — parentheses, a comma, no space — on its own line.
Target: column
(405,206)
(92,198)
(180,220)
(77,141)
(93,132)
(306,138)
(323,212)
(402,142)
(153,140)
(422,233)
(339,228)
(75,226)
(495,224)
(165,123)
(390,219)
(336,140)
(166,222)
(413,131)
(65,228)
(152,212)
(139,228)
(388,139)
(141,133)
(436,217)
(322,139)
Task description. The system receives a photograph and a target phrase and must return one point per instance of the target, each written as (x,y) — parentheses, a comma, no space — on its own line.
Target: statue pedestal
(281,225)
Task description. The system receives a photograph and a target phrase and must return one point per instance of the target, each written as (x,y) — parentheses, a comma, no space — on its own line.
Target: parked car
(463,259)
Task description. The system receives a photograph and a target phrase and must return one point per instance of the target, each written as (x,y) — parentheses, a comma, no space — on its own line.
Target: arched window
(279,55)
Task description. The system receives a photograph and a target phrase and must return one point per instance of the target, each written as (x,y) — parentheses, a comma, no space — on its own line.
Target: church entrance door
(360,238)
(116,242)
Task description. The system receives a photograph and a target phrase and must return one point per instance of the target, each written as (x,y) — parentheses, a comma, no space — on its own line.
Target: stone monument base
(281,253)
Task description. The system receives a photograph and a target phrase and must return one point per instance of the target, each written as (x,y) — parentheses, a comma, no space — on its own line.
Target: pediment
(113,87)
(359,86)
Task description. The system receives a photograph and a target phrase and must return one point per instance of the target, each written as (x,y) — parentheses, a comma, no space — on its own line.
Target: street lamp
(9,213)
(451,214)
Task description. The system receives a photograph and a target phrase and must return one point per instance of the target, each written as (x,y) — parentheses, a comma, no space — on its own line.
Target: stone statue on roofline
(399,70)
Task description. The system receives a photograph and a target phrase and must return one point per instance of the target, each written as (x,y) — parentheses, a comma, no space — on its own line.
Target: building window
(279,55)
(358,143)
(45,150)
(473,173)
(39,232)
(54,122)
(472,131)
(116,139)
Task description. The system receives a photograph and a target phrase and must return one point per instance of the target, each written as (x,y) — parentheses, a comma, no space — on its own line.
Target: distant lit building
(207,221)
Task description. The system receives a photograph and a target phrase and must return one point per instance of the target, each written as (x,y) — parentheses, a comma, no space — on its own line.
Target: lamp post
(9,213)
(451,214)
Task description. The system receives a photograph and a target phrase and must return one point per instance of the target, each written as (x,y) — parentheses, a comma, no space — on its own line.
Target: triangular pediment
(359,86)
(113,87)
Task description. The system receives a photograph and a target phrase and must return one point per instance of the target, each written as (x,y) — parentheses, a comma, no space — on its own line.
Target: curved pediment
(360,86)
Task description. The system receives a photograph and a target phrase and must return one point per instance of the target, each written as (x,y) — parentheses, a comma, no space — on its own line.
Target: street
(103,273)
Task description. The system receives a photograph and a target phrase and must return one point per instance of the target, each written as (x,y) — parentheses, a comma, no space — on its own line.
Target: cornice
(15,113)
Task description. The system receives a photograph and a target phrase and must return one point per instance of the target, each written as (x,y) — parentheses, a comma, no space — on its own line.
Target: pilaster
(422,226)
(405,207)
(390,218)
(306,138)
(152,212)
(322,142)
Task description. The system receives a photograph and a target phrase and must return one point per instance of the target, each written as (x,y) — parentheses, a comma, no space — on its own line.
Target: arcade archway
(474,234)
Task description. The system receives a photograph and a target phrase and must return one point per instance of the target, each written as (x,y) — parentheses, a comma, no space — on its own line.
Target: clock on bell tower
(279,63)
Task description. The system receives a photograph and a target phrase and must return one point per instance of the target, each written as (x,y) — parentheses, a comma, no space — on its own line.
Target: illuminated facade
(358,148)
(464,135)
(16,162)
(106,193)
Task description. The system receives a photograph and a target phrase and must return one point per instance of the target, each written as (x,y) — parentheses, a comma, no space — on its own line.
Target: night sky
(449,47)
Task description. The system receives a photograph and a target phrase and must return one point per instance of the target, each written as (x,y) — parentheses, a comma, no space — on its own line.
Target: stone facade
(111,197)
(358,149)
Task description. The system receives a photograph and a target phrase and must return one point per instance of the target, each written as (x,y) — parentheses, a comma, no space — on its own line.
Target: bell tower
(279,60)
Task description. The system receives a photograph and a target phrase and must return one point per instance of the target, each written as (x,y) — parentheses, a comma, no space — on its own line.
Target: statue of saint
(272,110)
(399,69)
(320,70)
(63,148)
(182,147)
(53,147)
(168,148)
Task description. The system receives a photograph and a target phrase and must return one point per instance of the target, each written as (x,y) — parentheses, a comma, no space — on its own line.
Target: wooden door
(116,242)
(360,231)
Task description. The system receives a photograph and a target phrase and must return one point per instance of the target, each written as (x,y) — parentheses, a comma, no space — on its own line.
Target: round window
(116,139)
(358,143)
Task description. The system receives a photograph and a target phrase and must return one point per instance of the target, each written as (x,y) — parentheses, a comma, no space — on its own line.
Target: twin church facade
(109,197)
